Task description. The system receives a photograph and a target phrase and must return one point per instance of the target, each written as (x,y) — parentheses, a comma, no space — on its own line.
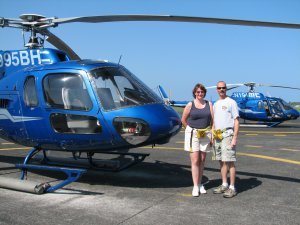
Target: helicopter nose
(296,114)
(293,114)
(165,123)
(149,124)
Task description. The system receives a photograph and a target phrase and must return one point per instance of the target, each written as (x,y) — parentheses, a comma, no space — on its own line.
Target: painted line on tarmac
(280,149)
(289,149)
(239,153)
(270,158)
(185,194)
(266,132)
(12,149)
(252,146)
(256,146)
(271,132)
(161,147)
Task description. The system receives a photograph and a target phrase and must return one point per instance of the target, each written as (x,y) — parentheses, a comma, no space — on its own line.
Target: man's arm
(236,131)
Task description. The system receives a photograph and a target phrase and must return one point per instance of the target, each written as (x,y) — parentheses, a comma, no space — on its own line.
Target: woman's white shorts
(194,144)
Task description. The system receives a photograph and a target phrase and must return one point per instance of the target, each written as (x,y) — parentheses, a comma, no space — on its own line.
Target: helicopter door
(276,109)
(11,119)
(267,108)
(34,118)
(71,108)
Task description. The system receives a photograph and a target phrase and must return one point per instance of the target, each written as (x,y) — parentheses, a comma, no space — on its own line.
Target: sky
(179,55)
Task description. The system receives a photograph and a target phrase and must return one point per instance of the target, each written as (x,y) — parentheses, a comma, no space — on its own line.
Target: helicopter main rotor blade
(120,18)
(278,86)
(59,44)
(229,86)
(251,85)
(31,21)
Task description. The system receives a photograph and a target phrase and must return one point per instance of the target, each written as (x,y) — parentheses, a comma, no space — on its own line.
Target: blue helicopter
(51,99)
(253,106)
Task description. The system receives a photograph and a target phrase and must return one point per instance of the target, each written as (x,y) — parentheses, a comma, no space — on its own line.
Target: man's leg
(224,171)
(224,186)
(232,172)
(231,192)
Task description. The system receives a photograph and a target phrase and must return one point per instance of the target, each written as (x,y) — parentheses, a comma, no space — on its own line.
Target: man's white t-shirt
(225,111)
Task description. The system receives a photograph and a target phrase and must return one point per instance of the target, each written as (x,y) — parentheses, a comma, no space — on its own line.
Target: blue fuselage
(54,103)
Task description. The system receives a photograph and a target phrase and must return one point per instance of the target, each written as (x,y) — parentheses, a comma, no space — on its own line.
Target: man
(225,129)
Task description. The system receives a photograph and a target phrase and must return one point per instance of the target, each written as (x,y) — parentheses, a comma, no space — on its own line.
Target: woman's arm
(185,114)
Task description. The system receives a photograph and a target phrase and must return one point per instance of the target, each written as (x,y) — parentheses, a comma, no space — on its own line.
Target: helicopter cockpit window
(66,91)
(30,94)
(260,105)
(285,105)
(118,88)
(276,107)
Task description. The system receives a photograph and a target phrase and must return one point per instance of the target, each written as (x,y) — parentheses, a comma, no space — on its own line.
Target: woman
(197,118)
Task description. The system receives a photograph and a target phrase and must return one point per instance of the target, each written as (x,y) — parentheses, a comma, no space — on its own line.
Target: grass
(178,109)
(296,105)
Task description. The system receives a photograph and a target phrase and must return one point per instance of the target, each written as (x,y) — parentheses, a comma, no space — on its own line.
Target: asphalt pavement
(158,190)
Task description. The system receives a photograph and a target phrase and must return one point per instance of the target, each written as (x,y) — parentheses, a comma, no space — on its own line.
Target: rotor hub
(31,17)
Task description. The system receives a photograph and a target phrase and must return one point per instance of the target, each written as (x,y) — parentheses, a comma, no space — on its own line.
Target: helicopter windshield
(285,105)
(118,88)
(276,107)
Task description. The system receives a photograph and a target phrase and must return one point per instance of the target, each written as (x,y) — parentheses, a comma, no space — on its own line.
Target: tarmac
(158,190)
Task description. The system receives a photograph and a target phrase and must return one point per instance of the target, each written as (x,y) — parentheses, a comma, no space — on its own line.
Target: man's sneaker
(221,189)
(229,193)
(195,191)
(202,190)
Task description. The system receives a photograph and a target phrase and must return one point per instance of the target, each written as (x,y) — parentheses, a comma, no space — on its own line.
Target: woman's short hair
(201,87)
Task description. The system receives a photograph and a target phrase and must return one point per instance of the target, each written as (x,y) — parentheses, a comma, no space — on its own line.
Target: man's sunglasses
(219,88)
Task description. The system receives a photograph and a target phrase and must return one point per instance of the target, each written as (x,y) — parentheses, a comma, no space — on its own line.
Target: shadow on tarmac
(11,159)
(241,184)
(144,175)
(156,174)
(249,183)
(256,175)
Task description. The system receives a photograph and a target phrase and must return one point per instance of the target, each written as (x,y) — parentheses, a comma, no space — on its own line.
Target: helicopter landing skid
(274,124)
(266,124)
(135,158)
(72,175)
(122,162)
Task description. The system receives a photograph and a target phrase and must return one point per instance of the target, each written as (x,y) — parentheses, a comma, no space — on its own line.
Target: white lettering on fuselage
(35,56)
(245,94)
(45,60)
(22,58)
